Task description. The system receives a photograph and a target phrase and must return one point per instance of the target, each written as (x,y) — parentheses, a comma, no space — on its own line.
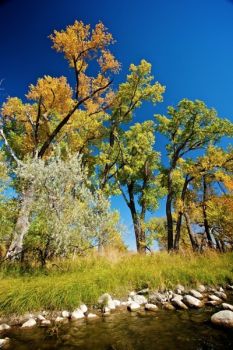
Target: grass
(67,283)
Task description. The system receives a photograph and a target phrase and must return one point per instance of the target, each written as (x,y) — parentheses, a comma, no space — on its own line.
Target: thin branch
(10,150)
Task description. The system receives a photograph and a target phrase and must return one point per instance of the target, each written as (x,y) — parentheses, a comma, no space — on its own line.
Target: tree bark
(22,224)
(194,244)
(169,214)
(205,218)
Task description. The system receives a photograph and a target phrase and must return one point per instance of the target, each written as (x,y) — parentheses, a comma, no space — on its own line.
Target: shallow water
(162,330)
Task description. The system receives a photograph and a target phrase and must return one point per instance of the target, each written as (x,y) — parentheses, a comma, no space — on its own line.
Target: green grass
(66,284)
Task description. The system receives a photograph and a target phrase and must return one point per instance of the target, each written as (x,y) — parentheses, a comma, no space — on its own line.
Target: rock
(45,322)
(30,323)
(212,302)
(179,289)
(221,295)
(106,309)
(133,306)
(177,296)
(179,304)
(151,307)
(104,299)
(227,306)
(40,317)
(132,294)
(92,316)
(60,319)
(65,314)
(168,306)
(117,302)
(4,341)
(214,298)
(111,305)
(77,314)
(192,301)
(83,308)
(229,287)
(196,294)
(124,303)
(4,327)
(220,289)
(139,299)
(143,291)
(223,318)
(201,288)
(157,298)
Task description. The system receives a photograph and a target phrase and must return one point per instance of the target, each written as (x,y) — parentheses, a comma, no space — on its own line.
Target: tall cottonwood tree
(128,161)
(58,114)
(188,127)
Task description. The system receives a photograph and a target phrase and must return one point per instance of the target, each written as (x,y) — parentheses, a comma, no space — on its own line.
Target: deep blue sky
(189,43)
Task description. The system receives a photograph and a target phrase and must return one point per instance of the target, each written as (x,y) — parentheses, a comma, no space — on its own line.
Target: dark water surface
(162,330)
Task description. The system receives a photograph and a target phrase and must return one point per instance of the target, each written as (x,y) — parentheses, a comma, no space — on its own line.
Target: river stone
(77,314)
(177,296)
(4,327)
(151,307)
(221,295)
(133,306)
(168,306)
(116,302)
(143,291)
(104,299)
(132,294)
(139,299)
(40,317)
(192,301)
(60,319)
(196,294)
(179,304)
(45,322)
(4,342)
(201,288)
(215,298)
(30,323)
(83,308)
(90,315)
(220,289)
(229,287)
(227,306)
(223,318)
(212,302)
(179,289)
(106,309)
(65,314)
(157,298)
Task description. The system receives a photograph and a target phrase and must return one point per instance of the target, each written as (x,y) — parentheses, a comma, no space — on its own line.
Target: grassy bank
(65,284)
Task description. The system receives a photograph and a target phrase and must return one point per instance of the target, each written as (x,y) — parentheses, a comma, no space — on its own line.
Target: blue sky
(189,43)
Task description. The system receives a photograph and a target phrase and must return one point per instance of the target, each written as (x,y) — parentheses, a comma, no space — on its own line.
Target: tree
(58,113)
(128,162)
(190,126)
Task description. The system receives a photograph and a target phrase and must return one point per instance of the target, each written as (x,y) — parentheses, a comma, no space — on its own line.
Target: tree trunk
(194,244)
(169,214)
(180,214)
(22,224)
(205,218)
(138,230)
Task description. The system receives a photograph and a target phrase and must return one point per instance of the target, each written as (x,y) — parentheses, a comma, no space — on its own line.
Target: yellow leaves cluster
(54,94)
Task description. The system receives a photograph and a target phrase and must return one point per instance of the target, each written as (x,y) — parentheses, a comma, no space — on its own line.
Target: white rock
(221,295)
(223,318)
(177,296)
(192,301)
(124,303)
(230,287)
(4,342)
(117,302)
(59,319)
(201,288)
(227,306)
(151,307)
(221,289)
(45,322)
(77,314)
(104,299)
(168,306)
(92,315)
(4,327)
(196,294)
(132,294)
(106,309)
(215,298)
(65,314)
(133,306)
(30,323)
(139,299)
(179,289)
(83,308)
(40,317)
(111,305)
(179,304)
(212,302)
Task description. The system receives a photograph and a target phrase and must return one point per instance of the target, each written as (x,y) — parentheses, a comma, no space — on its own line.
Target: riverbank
(67,284)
